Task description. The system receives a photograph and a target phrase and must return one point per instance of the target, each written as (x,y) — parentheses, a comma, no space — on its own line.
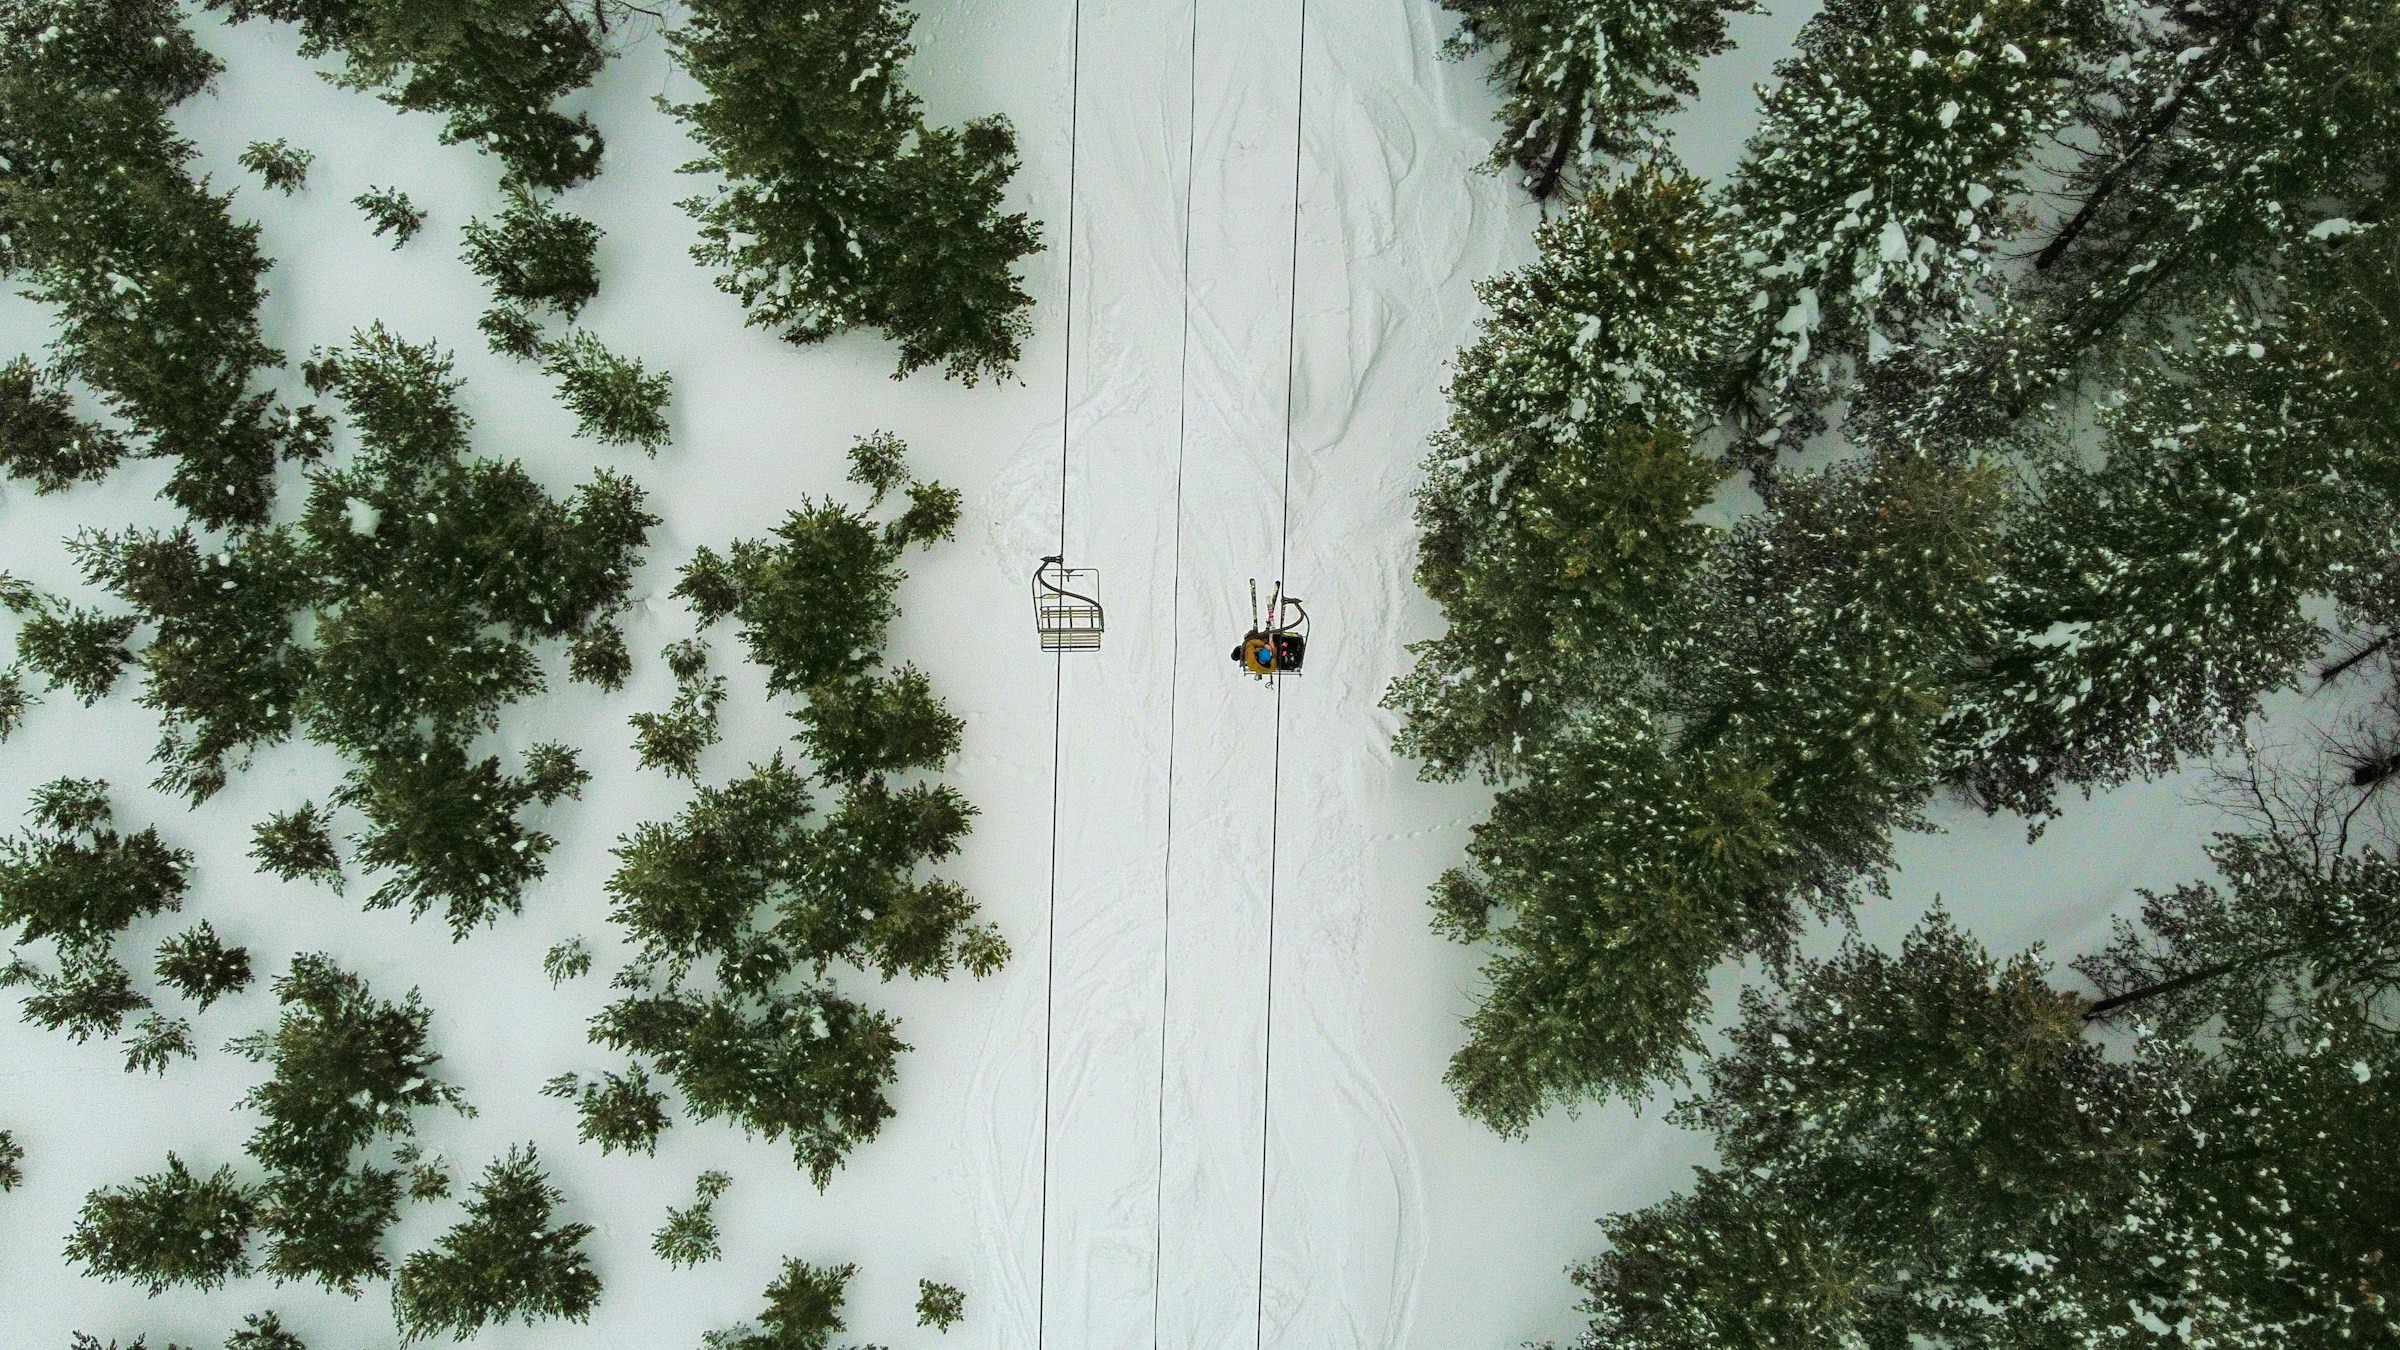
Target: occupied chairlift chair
(1278,646)
(1066,606)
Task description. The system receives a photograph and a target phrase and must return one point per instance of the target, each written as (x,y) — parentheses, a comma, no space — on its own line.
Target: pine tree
(621,1111)
(12,1154)
(222,668)
(841,207)
(76,649)
(327,1225)
(493,70)
(1586,84)
(615,401)
(198,965)
(446,829)
(171,1228)
(535,258)
(73,880)
(1928,1146)
(278,165)
(674,740)
(298,845)
(157,1041)
(264,1331)
(804,1311)
(42,441)
(940,1306)
(91,995)
(1887,170)
(391,212)
(156,288)
(690,1235)
(809,1064)
(503,1262)
(567,960)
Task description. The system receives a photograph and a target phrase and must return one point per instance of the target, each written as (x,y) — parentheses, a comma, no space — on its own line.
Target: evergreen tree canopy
(42,441)
(76,882)
(1586,83)
(841,207)
(12,1153)
(155,286)
(534,257)
(492,68)
(171,1228)
(198,965)
(348,1068)
(1926,1147)
(503,1262)
(804,1311)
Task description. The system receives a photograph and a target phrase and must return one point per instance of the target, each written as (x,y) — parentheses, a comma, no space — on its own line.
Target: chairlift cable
(1058,686)
(1291,367)
(1166,929)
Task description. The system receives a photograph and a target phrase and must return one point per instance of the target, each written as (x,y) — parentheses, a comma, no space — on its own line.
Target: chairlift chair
(1066,606)
(1278,646)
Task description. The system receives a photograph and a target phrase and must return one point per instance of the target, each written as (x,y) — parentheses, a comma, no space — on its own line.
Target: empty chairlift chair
(1066,606)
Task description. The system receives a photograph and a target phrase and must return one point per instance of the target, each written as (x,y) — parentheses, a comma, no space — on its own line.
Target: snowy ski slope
(1110,1143)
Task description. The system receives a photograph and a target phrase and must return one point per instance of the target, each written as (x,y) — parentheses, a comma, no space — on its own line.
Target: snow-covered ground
(1183,824)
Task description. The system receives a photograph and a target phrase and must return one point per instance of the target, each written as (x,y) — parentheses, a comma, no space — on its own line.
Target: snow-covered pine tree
(12,1156)
(804,1311)
(620,1111)
(298,845)
(674,740)
(42,441)
(348,1068)
(534,258)
(156,288)
(263,1331)
(278,164)
(2249,472)
(1927,1145)
(494,69)
(689,1236)
(221,668)
(75,882)
(940,1306)
(504,1262)
(391,212)
(614,399)
(1556,508)
(841,207)
(1586,83)
(74,648)
(1889,167)
(197,964)
(171,1228)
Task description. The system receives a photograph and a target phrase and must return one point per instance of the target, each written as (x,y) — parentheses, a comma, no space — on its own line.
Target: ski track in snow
(1388,1220)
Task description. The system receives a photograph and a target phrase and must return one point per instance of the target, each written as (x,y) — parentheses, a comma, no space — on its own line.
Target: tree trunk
(2186,980)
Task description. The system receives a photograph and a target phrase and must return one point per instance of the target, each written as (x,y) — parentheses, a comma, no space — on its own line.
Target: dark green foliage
(198,965)
(621,1111)
(91,995)
(599,656)
(804,1310)
(171,1228)
(12,1153)
(2251,470)
(810,1064)
(298,844)
(348,1068)
(328,1226)
(1927,1147)
(1585,83)
(157,1041)
(492,70)
(156,288)
(674,740)
(76,649)
(222,669)
(940,1306)
(14,702)
(391,212)
(82,1341)
(534,257)
(567,960)
(42,441)
(447,830)
(503,1262)
(264,1331)
(277,164)
(841,206)
(615,401)
(690,1235)
(72,879)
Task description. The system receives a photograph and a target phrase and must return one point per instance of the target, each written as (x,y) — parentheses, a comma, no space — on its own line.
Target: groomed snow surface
(1201,821)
